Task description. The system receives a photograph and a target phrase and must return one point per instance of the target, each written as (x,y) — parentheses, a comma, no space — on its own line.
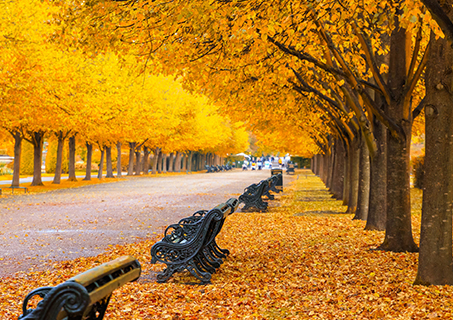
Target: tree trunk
(108,162)
(377,212)
(118,160)
(398,230)
(184,162)
(170,162)
(354,159)
(138,153)
(159,161)
(101,164)
(178,162)
(130,169)
(338,171)
(435,265)
(363,199)
(145,160)
(89,158)
(72,154)
(59,160)
(189,161)
(164,162)
(38,142)
(155,160)
(17,153)
(347,177)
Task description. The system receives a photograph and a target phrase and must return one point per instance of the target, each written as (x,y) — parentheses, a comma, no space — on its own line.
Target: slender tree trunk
(164,162)
(363,199)
(178,162)
(338,172)
(89,161)
(101,164)
(145,160)
(38,142)
(435,265)
(118,160)
(377,213)
(184,162)
(57,176)
(170,162)
(159,162)
(155,159)
(347,176)
(72,154)
(17,153)
(138,152)
(130,169)
(353,171)
(108,162)
(189,161)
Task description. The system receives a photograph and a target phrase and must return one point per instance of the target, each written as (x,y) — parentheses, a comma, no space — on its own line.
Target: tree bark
(89,161)
(435,265)
(347,177)
(178,162)
(130,169)
(189,161)
(184,162)
(164,162)
(108,162)
(155,160)
(59,160)
(170,162)
(138,153)
(363,199)
(398,230)
(38,141)
(354,158)
(17,153)
(338,171)
(377,213)
(159,161)
(118,160)
(145,160)
(72,154)
(101,164)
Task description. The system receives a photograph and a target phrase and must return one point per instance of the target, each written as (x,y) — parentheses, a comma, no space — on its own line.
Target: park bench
(190,244)
(15,187)
(271,182)
(290,168)
(252,197)
(277,184)
(85,296)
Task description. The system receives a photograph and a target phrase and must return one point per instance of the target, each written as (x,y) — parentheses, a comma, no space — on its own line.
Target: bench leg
(204,277)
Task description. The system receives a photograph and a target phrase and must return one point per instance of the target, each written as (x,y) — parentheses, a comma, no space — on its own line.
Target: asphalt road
(70,223)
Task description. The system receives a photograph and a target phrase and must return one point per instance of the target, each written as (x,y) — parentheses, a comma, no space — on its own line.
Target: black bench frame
(85,296)
(252,197)
(190,244)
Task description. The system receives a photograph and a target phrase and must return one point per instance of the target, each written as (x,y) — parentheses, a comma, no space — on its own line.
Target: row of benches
(217,168)
(188,245)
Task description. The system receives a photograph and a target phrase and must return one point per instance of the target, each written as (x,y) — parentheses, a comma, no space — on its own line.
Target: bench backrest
(183,241)
(85,296)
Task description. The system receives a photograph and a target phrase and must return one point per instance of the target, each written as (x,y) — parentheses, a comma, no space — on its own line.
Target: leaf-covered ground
(304,259)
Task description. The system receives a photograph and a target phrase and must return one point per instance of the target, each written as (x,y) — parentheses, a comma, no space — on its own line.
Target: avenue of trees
(103,101)
(346,81)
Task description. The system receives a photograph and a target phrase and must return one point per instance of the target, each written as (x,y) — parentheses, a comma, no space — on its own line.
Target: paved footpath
(69,223)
